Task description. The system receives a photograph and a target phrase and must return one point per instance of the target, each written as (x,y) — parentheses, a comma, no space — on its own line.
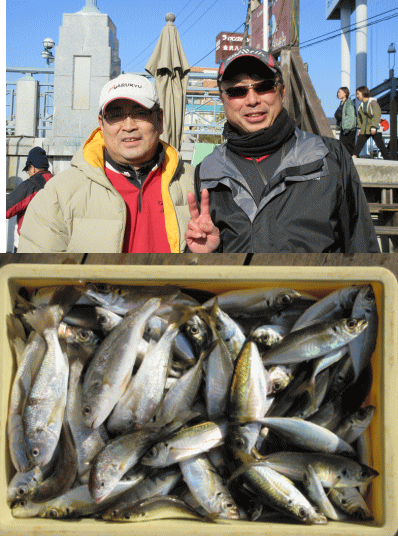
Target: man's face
(133,139)
(255,110)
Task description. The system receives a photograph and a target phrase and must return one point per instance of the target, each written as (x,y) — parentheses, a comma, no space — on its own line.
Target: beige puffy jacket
(79,210)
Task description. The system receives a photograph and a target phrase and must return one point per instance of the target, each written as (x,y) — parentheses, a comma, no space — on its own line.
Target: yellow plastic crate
(319,281)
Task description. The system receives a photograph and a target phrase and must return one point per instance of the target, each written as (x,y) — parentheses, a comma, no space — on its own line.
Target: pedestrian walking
(368,122)
(346,119)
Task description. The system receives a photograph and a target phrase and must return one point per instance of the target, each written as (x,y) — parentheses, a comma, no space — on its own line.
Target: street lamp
(391,50)
(48,44)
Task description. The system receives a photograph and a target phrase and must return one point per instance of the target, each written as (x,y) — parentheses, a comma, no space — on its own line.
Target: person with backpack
(368,122)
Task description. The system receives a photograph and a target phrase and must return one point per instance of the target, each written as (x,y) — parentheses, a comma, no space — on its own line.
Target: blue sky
(139,25)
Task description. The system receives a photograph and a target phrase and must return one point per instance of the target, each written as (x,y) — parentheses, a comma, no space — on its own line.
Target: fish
(159,507)
(186,443)
(143,395)
(31,356)
(110,369)
(248,397)
(350,500)
(46,401)
(307,435)
(215,429)
(259,301)
(314,341)
(334,470)
(208,488)
(317,494)
(161,482)
(362,348)
(332,307)
(279,491)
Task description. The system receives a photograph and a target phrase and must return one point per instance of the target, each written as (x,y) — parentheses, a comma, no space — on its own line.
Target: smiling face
(359,95)
(133,140)
(255,110)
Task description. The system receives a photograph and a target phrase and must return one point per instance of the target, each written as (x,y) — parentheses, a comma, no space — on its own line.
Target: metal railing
(204,112)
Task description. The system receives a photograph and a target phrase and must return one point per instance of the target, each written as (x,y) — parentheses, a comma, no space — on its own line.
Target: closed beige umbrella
(169,66)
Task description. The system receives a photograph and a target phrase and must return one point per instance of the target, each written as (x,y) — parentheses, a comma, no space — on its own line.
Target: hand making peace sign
(201,236)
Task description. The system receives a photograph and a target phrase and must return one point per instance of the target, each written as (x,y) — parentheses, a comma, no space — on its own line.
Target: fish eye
(86,410)
(101,287)
(351,323)
(285,299)
(265,338)
(52,514)
(344,472)
(239,441)
(35,452)
(102,484)
(344,502)
(369,295)
(126,516)
(21,491)
(22,503)
(219,326)
(194,330)
(277,386)
(102,319)
(301,512)
(84,335)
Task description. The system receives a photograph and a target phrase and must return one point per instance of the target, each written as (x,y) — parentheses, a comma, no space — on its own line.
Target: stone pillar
(27,106)
(345,13)
(87,56)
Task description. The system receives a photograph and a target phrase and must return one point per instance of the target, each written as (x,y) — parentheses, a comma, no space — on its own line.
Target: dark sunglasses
(259,87)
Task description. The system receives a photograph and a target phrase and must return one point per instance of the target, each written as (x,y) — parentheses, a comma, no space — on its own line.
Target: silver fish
(110,369)
(46,402)
(314,341)
(208,488)
(186,443)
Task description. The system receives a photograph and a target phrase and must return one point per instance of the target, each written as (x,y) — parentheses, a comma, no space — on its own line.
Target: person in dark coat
(346,119)
(18,200)
(273,187)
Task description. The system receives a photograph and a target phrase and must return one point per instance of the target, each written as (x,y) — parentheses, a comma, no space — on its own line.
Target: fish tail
(44,318)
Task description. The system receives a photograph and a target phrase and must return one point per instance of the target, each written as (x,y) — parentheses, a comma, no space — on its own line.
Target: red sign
(226,44)
(283,23)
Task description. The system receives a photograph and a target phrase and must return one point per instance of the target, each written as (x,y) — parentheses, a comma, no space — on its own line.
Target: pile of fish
(133,403)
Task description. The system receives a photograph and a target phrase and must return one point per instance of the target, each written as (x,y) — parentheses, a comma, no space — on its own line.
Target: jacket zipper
(259,171)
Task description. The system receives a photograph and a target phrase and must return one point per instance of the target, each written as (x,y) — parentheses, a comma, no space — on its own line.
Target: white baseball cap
(129,86)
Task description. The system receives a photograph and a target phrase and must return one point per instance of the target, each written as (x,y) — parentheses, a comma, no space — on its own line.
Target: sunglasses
(259,87)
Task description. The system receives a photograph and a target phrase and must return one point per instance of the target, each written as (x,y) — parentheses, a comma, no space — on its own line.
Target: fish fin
(44,318)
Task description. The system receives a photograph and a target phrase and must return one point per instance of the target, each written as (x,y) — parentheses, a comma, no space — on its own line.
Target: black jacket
(313,202)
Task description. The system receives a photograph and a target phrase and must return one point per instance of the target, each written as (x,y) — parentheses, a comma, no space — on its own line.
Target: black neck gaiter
(263,142)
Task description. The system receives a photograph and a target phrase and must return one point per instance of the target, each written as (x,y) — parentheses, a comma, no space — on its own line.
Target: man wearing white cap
(126,190)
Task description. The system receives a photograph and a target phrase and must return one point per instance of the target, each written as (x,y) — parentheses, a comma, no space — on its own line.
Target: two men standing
(271,187)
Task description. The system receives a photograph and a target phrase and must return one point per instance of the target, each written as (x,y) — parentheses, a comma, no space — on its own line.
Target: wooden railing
(301,100)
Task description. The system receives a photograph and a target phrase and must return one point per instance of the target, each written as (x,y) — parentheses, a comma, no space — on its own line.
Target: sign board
(226,44)
(283,21)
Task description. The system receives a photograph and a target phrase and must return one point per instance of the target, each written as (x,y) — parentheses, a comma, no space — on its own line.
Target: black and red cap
(246,55)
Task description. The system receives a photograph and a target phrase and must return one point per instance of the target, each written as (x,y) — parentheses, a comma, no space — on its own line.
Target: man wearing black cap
(273,187)
(18,200)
